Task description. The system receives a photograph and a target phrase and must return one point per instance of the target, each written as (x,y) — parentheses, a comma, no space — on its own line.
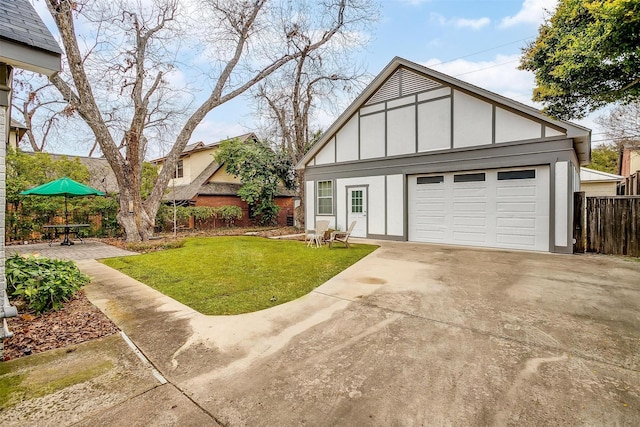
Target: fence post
(579,234)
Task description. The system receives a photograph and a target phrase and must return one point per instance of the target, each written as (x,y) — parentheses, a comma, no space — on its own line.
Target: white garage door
(504,208)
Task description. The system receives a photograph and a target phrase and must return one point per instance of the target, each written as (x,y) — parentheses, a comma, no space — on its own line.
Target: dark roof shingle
(20,23)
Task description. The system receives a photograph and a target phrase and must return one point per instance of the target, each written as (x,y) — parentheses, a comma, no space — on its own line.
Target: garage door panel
(470,221)
(506,208)
(469,208)
(515,191)
(526,223)
(515,207)
(469,237)
(469,192)
(516,240)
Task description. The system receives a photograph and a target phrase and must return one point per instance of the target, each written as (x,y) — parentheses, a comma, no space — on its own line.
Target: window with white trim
(179,172)
(325,197)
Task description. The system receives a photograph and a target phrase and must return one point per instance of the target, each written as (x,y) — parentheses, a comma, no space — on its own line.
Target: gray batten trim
(491,157)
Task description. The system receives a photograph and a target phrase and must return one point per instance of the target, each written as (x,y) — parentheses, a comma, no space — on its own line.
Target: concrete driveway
(414,334)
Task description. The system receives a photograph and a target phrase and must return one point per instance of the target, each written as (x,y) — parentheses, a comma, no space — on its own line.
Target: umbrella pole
(66,241)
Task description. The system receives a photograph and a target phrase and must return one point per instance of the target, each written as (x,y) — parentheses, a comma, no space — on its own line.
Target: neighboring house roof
(200,185)
(16,124)
(25,42)
(591,175)
(580,134)
(231,189)
(191,190)
(200,146)
(101,175)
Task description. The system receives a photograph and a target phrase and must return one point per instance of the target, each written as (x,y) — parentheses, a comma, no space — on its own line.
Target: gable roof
(377,88)
(101,175)
(25,42)
(200,146)
(592,175)
(191,190)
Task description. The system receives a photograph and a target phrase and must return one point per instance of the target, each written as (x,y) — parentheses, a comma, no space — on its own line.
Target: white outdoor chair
(316,236)
(341,236)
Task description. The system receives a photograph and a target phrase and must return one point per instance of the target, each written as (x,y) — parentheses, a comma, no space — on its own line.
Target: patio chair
(316,236)
(341,236)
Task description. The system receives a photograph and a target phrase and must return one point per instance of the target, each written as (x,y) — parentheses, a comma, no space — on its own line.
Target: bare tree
(40,107)
(247,41)
(316,80)
(622,124)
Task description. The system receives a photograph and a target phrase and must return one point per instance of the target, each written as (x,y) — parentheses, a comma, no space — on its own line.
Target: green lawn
(233,275)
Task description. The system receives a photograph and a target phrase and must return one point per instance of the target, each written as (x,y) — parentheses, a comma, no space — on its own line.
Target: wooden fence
(609,225)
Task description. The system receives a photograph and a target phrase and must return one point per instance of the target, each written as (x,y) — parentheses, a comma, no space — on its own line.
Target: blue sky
(478,41)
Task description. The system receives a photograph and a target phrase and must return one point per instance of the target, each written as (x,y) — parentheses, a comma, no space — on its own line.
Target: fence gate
(611,225)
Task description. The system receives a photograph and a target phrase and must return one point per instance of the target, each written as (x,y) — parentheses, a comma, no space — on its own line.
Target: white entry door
(357,210)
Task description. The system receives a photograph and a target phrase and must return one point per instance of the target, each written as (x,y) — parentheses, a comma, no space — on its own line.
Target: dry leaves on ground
(77,322)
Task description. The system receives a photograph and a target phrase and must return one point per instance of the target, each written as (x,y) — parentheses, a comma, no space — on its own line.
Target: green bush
(43,283)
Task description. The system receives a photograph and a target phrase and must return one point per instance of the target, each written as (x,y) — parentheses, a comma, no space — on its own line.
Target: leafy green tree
(605,158)
(261,170)
(28,213)
(586,56)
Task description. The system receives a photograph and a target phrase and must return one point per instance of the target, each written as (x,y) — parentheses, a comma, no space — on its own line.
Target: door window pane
(356,201)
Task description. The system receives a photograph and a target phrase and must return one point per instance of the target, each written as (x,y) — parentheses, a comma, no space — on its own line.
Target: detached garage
(424,157)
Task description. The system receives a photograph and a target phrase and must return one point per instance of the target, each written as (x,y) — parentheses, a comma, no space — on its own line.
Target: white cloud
(505,80)
(500,75)
(209,131)
(532,12)
(474,24)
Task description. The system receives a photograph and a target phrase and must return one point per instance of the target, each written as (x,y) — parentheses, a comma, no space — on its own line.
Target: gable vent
(402,83)
(414,83)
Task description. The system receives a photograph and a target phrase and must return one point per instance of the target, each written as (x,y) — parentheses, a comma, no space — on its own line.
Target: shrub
(43,283)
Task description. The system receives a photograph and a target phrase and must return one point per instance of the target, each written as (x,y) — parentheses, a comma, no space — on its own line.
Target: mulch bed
(77,322)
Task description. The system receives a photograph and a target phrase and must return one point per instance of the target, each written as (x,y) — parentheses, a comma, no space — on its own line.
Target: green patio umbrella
(63,187)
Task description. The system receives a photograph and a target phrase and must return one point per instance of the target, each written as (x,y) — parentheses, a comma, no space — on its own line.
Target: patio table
(66,229)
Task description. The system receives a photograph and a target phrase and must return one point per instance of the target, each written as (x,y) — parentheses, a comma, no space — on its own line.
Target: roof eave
(29,58)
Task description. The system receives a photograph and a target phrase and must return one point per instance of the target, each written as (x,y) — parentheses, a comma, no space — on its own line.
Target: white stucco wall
(375,202)
(513,127)
(347,141)
(561,203)
(401,131)
(434,125)
(472,121)
(327,154)
(551,132)
(372,136)
(310,205)
(395,205)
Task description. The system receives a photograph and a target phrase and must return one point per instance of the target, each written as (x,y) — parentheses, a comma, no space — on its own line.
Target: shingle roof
(20,23)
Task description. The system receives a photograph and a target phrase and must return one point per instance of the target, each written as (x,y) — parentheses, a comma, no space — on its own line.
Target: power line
(482,51)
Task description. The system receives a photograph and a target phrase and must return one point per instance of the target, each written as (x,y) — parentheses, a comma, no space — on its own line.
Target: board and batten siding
(382,192)
(436,119)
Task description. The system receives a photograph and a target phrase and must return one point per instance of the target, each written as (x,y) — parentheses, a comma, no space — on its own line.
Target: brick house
(200,181)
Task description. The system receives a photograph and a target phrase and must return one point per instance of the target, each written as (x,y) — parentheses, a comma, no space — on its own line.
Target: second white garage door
(504,208)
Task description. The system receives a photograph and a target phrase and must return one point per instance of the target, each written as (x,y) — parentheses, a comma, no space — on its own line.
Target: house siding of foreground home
(421,156)
(25,43)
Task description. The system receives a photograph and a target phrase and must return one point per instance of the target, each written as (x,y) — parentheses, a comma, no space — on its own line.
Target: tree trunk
(137,223)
